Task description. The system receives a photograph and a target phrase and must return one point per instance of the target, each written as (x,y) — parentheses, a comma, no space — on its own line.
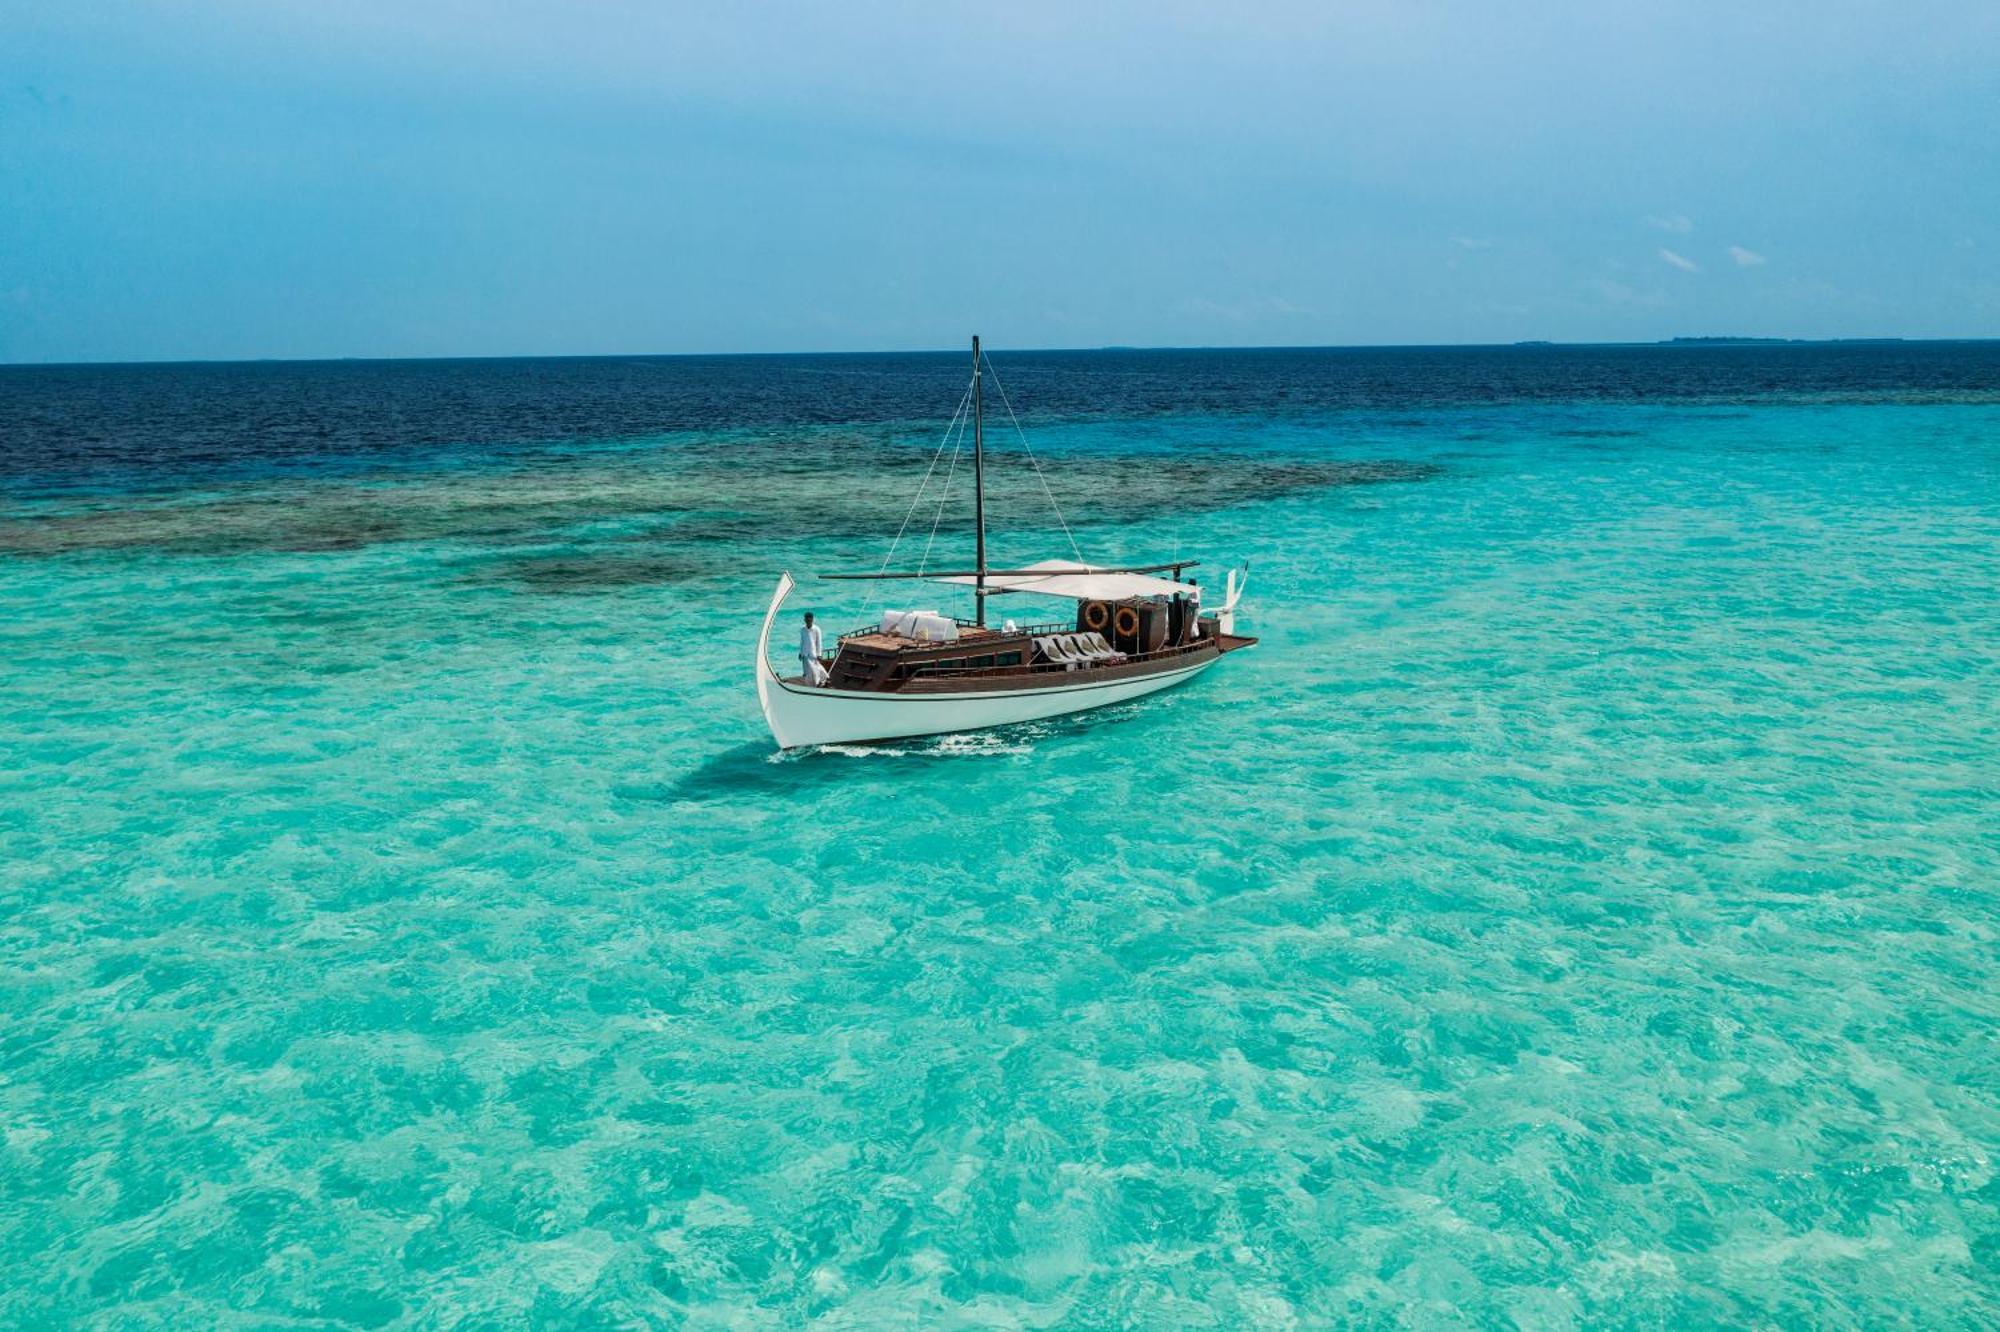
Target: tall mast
(978,489)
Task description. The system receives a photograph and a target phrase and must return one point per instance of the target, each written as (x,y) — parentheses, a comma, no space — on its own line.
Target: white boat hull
(801,714)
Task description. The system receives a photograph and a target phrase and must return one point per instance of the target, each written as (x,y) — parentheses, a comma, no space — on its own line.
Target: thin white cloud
(1680,261)
(1745,258)
(1472,242)
(1680,224)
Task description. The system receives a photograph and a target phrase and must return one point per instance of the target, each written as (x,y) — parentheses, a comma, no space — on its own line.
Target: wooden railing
(1047,667)
(1053,627)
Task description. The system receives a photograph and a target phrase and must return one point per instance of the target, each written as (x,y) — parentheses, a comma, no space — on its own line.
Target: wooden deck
(949,678)
(881,642)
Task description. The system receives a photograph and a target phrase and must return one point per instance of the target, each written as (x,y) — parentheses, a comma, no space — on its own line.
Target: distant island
(1752,342)
(1726,341)
(1714,340)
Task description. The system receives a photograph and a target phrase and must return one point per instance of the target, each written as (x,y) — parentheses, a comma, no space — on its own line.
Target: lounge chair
(1087,647)
(1070,650)
(1103,650)
(1046,649)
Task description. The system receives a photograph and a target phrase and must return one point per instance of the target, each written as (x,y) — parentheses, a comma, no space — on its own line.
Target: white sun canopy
(1078,582)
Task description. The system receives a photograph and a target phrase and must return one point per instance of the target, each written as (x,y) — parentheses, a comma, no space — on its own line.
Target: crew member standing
(809,651)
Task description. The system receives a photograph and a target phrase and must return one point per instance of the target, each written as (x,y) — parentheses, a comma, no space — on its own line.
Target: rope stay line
(945,493)
(1035,462)
(954,435)
(924,484)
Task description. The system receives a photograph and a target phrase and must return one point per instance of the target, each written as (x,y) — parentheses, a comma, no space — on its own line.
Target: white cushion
(909,624)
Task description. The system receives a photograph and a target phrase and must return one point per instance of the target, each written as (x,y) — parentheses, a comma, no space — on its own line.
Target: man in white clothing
(809,650)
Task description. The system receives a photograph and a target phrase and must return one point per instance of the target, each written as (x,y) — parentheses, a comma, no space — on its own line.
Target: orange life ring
(1127,622)
(1095,616)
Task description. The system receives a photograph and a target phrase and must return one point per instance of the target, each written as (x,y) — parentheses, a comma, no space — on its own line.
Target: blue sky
(453,178)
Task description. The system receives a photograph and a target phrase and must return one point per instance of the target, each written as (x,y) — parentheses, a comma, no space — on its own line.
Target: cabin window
(1007,659)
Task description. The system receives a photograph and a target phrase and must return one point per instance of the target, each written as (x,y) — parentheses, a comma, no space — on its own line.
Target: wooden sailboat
(1136,629)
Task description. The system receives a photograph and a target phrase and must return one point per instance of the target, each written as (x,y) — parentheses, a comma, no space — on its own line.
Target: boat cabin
(884,658)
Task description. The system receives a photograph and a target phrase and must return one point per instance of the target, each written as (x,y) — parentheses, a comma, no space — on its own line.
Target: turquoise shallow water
(1579,909)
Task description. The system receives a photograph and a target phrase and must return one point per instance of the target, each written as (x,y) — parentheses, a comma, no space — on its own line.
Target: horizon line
(1684,341)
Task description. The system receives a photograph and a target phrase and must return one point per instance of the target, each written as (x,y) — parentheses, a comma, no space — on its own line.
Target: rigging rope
(963,401)
(1029,449)
(944,494)
(960,420)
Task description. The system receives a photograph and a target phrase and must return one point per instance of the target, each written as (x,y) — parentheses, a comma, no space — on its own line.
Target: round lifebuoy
(1126,621)
(1095,616)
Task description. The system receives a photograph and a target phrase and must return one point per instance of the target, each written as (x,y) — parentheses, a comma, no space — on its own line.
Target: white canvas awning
(1078,582)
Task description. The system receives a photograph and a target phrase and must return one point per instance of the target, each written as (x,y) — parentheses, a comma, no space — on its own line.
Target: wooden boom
(1175,565)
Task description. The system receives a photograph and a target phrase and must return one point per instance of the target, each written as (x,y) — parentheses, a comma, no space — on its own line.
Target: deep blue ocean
(1581,909)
